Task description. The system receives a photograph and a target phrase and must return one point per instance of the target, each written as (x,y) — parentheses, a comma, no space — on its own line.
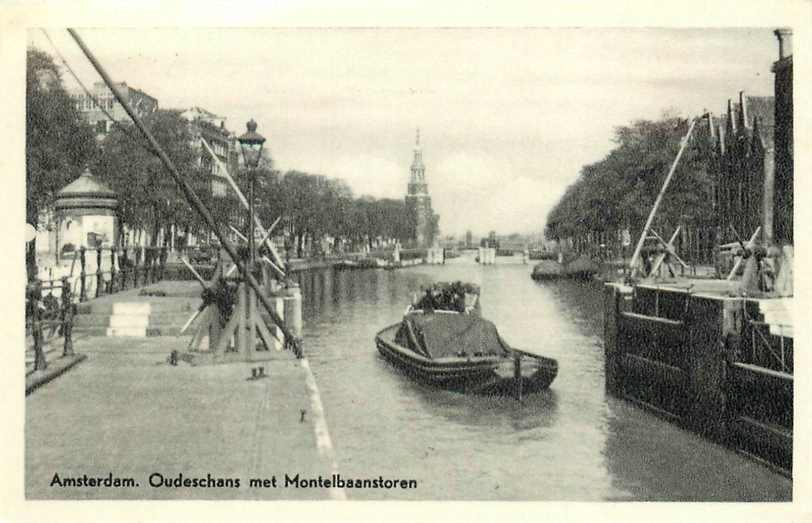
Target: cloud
(509,116)
(373,176)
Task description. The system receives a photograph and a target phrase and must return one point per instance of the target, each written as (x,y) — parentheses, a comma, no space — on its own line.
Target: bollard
(293,309)
(67,317)
(82,274)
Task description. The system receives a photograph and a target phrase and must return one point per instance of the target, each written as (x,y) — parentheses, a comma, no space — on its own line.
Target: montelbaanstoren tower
(418,201)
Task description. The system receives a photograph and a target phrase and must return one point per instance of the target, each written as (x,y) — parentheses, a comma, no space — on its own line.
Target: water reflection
(462,446)
(535,411)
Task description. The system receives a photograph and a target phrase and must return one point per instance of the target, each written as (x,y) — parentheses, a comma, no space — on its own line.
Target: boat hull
(491,374)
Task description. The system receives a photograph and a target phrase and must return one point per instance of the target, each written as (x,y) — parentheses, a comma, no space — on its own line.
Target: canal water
(572,442)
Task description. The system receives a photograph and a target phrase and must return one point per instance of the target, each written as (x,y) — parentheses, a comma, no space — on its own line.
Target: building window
(101,126)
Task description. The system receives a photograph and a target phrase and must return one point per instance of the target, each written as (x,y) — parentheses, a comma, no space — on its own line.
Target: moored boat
(582,267)
(443,340)
(541,254)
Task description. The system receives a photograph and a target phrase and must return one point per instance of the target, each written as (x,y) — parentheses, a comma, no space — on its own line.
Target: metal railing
(127,266)
(765,349)
(54,315)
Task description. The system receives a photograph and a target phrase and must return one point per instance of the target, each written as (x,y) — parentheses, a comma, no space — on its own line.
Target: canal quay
(126,410)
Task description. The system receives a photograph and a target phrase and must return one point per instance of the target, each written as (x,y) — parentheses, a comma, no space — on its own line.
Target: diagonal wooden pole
(238,233)
(650,219)
(273,266)
(194,272)
(190,195)
(244,201)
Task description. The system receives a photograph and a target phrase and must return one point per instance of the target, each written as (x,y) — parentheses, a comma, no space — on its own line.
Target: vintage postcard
(278,261)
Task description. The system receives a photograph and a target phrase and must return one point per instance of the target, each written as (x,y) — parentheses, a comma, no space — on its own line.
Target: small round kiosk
(85,215)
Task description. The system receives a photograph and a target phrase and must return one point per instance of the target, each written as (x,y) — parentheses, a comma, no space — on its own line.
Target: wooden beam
(194,272)
(659,199)
(243,200)
(277,269)
(749,245)
(187,191)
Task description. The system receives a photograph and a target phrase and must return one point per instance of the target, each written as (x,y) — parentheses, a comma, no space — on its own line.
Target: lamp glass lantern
(251,144)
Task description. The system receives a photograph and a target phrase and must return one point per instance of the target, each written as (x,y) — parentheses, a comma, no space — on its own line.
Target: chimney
(784,36)
(742,110)
(731,124)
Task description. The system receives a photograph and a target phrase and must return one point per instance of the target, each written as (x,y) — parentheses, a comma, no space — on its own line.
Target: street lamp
(251,144)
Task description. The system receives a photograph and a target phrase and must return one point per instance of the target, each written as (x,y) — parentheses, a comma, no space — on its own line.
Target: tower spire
(417,139)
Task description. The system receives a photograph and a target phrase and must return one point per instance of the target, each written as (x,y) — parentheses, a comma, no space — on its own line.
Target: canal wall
(705,361)
(373,259)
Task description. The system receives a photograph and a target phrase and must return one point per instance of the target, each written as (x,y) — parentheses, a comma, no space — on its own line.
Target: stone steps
(125,320)
(138,307)
(164,330)
(134,318)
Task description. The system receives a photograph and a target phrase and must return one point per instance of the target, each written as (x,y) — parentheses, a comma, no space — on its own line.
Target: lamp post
(251,144)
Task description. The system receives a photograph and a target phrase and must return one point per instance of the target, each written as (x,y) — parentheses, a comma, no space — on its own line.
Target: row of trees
(60,144)
(311,206)
(619,191)
(315,206)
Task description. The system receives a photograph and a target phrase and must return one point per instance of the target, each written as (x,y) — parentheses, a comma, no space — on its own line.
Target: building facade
(418,201)
(90,107)
(205,125)
(753,145)
(783,196)
(743,145)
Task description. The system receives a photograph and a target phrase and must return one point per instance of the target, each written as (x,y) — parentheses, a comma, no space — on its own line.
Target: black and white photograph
(370,262)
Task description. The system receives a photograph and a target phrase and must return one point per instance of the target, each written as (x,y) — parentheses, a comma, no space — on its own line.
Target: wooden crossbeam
(749,245)
(277,269)
(238,233)
(191,319)
(243,200)
(670,250)
(194,272)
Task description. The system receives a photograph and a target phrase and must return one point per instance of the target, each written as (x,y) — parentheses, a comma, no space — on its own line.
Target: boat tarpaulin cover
(441,335)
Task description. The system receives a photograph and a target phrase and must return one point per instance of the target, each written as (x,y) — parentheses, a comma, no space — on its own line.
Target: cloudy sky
(507,116)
